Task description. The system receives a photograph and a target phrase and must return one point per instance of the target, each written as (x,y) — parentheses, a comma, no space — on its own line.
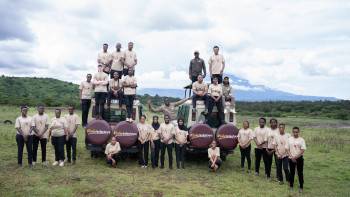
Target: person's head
(216,50)
(118,46)
(130,72)
(273,123)
(105,47)
(200,78)
(215,80)
(262,122)
(166,119)
(113,140)
(180,121)
(196,54)
(166,102)
(70,109)
(57,113)
(246,124)
(130,46)
(296,132)
(88,77)
(281,128)
(115,75)
(143,119)
(41,109)
(24,110)
(99,68)
(155,119)
(213,144)
(226,81)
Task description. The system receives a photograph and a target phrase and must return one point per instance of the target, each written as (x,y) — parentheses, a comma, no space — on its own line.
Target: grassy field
(327,169)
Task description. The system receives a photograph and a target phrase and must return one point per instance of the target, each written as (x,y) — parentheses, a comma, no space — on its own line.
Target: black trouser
(100,100)
(120,73)
(119,96)
(126,71)
(218,163)
(20,145)
(155,153)
(196,97)
(71,147)
(85,107)
(169,148)
(300,168)
(58,144)
(116,158)
(258,154)
(217,76)
(43,142)
(143,153)
(269,163)
(194,78)
(180,155)
(129,102)
(219,106)
(282,163)
(245,153)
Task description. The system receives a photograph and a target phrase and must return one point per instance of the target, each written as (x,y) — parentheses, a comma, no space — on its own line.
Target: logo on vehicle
(122,133)
(97,131)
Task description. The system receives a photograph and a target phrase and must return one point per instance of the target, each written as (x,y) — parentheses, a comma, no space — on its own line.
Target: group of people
(287,150)
(160,138)
(40,129)
(120,65)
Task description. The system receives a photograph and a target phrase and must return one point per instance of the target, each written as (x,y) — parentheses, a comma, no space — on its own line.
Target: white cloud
(298,46)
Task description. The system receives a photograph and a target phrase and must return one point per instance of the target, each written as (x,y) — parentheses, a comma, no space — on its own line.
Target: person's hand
(221,72)
(25,138)
(189,76)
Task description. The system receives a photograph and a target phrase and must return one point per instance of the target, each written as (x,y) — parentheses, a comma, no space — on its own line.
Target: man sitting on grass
(112,152)
(214,157)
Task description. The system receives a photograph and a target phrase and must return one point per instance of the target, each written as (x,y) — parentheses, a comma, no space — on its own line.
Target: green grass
(327,169)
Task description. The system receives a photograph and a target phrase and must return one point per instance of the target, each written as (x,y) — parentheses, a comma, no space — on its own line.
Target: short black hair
(282,124)
(89,74)
(40,105)
(246,122)
(262,118)
(105,44)
(99,65)
(215,78)
(155,116)
(215,47)
(297,128)
(24,107)
(226,77)
(57,109)
(273,119)
(71,105)
(143,116)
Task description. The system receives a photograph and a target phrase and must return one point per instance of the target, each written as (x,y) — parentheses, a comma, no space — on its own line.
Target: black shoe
(161,167)
(170,167)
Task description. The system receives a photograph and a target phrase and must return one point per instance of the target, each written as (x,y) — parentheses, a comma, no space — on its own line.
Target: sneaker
(73,162)
(33,163)
(31,166)
(61,164)
(55,163)
(145,167)
(44,163)
(256,173)
(300,190)
(280,182)
(242,169)
(290,189)
(249,171)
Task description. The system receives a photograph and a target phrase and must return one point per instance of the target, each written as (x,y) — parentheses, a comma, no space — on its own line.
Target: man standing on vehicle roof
(216,65)
(105,59)
(196,66)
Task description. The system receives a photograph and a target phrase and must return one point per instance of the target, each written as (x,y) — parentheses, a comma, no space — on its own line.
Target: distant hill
(244,91)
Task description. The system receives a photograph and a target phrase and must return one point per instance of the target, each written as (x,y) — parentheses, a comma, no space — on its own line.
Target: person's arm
(177,103)
(190,70)
(204,69)
(105,81)
(223,65)
(152,109)
(210,66)
(81,90)
(135,60)
(99,61)
(18,127)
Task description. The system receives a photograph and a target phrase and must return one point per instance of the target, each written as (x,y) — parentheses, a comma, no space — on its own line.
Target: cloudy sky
(297,46)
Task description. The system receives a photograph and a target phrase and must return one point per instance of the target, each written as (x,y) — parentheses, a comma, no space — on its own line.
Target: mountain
(243,91)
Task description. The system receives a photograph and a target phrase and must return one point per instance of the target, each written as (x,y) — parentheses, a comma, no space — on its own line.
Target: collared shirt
(59,124)
(244,135)
(104,58)
(130,59)
(217,63)
(295,145)
(40,122)
(72,121)
(167,131)
(215,90)
(261,135)
(281,142)
(101,76)
(180,136)
(129,81)
(86,90)
(271,138)
(117,57)
(25,124)
(200,87)
(168,110)
(227,90)
(115,84)
(212,152)
(145,132)
(112,149)
(196,67)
